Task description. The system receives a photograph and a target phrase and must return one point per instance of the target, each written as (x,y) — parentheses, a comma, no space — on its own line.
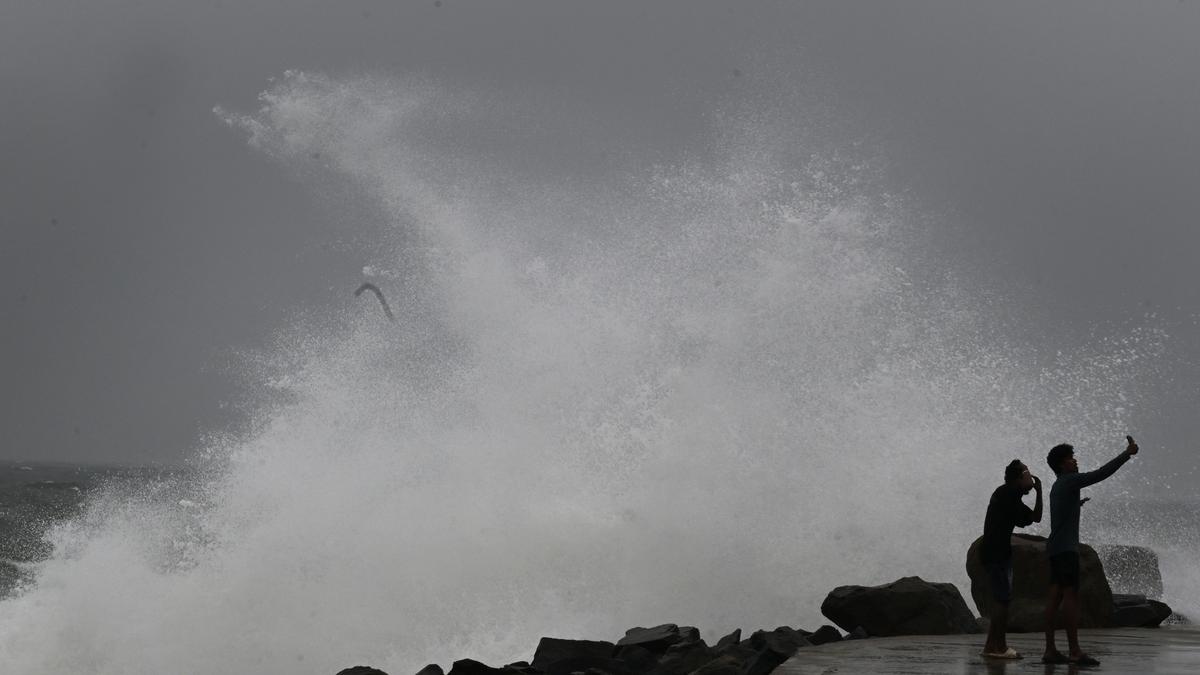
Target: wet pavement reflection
(1172,649)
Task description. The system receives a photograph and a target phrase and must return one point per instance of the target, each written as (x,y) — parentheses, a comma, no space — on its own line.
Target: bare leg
(1071,619)
(1051,614)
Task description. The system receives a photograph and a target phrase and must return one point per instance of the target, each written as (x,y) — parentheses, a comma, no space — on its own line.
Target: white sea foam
(706,392)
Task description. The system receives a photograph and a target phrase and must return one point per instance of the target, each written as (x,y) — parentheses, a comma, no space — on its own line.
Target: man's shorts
(1064,569)
(1000,580)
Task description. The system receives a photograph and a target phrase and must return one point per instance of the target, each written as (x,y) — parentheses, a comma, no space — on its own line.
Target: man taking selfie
(1062,547)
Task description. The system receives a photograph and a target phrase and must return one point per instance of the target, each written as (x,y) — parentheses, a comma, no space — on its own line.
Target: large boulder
(1131,570)
(551,651)
(908,606)
(655,639)
(1031,586)
(1137,611)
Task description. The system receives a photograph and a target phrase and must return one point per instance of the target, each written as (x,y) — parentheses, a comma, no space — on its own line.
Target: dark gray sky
(142,242)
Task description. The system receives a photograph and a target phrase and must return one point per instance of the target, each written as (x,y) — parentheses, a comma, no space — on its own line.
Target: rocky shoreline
(907,606)
(668,649)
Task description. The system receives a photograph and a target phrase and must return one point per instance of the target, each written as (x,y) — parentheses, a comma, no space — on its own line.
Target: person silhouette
(1004,512)
(1062,547)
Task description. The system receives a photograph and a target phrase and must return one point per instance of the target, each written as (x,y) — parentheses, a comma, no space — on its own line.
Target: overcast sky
(142,242)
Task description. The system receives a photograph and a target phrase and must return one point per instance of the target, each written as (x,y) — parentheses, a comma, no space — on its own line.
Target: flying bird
(368,286)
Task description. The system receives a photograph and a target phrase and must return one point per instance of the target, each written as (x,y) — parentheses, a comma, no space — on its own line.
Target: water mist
(704,391)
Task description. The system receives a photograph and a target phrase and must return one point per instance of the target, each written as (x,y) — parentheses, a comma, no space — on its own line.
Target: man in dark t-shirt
(1005,511)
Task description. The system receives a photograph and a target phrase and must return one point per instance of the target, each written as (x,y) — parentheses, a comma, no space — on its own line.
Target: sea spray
(703,391)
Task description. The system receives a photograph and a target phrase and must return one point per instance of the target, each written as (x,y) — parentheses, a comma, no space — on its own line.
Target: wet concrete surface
(1171,649)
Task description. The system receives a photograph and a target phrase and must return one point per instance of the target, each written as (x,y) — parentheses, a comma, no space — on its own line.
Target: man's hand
(1132,448)
(1037,483)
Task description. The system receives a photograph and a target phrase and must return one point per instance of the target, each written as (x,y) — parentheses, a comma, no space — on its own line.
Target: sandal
(1055,658)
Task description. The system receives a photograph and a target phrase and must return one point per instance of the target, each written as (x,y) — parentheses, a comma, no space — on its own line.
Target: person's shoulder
(1066,480)
(1005,495)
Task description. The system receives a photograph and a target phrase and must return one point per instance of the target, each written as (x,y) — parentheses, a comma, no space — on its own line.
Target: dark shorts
(999,576)
(1064,569)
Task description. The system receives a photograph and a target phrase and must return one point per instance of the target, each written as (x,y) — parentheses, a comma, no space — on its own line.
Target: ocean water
(702,391)
(36,497)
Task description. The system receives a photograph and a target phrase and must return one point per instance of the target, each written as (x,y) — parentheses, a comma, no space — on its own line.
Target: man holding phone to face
(1062,547)
(1004,512)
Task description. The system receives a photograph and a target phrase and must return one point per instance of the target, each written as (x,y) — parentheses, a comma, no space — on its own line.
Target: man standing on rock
(1063,545)
(1004,512)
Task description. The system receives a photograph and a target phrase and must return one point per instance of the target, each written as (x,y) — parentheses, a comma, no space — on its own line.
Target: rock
(722,665)
(764,661)
(908,606)
(684,657)
(587,664)
(655,639)
(668,649)
(1031,586)
(859,633)
(636,658)
(729,640)
(742,651)
(361,670)
(431,669)
(1131,570)
(824,635)
(765,650)
(1136,611)
(552,650)
(473,667)
(782,640)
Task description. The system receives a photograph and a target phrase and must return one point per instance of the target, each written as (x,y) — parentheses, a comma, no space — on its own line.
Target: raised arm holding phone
(1062,547)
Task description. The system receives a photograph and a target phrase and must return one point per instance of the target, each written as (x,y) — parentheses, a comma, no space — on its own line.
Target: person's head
(1062,459)
(1016,473)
